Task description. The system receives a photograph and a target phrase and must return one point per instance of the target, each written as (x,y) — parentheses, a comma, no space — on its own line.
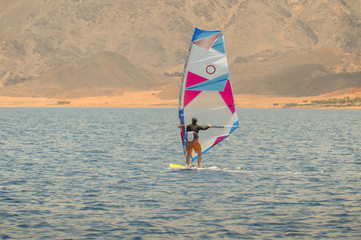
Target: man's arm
(205,127)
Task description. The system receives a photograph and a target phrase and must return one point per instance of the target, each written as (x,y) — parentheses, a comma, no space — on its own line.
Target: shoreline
(149,99)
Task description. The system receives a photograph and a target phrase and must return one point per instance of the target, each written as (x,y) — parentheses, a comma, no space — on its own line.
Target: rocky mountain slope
(80,48)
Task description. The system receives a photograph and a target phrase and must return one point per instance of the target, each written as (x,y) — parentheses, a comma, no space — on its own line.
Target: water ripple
(88,173)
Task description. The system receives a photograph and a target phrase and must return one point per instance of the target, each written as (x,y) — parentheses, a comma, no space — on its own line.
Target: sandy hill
(301,73)
(103,74)
(93,48)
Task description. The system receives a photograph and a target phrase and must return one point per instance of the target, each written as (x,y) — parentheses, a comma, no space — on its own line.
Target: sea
(103,173)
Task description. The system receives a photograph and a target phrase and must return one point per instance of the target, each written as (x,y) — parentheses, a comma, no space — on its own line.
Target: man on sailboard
(192,141)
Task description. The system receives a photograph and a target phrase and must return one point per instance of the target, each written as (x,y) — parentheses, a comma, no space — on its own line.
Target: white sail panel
(202,58)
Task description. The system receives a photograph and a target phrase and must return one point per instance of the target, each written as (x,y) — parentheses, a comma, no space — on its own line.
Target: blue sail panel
(216,84)
(199,34)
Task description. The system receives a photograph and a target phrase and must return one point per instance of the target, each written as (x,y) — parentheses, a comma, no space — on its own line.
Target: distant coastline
(149,99)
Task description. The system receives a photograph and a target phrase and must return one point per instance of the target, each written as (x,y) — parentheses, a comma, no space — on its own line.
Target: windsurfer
(192,141)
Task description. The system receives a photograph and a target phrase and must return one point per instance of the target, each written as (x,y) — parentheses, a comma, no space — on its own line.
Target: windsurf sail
(206,91)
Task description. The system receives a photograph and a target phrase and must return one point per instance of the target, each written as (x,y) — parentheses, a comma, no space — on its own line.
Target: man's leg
(188,158)
(199,151)
(199,159)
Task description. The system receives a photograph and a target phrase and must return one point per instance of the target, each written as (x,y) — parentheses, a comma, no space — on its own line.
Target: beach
(145,99)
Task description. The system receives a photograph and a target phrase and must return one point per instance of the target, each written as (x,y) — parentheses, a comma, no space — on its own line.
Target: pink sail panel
(219,139)
(228,96)
(189,95)
(194,79)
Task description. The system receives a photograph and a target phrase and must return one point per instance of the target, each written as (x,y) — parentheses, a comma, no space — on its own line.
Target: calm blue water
(102,173)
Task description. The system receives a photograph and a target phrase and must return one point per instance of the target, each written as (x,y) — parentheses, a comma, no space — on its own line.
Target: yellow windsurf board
(174,165)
